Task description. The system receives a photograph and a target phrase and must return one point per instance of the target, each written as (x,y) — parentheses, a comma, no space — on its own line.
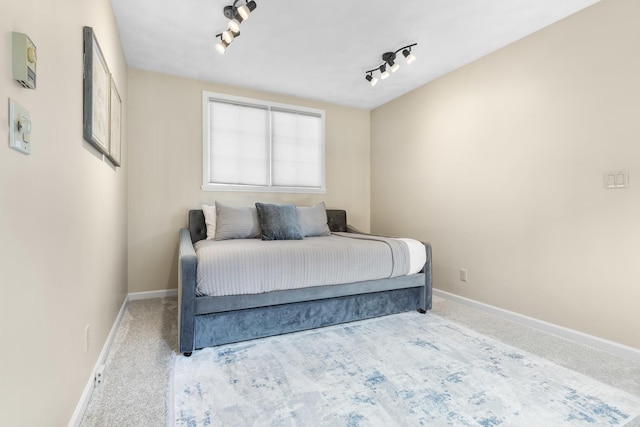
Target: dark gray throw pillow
(278,222)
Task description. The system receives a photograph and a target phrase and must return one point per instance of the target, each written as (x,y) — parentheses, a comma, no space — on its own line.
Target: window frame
(208,96)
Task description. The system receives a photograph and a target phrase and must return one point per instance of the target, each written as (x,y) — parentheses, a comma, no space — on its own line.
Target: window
(254,145)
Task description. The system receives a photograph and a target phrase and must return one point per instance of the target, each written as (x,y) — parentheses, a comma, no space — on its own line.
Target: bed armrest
(187,263)
(427,304)
(337,220)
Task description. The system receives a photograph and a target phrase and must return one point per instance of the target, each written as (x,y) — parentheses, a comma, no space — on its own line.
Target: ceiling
(321,49)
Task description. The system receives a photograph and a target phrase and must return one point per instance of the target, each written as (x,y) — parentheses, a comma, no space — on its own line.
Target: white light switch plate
(19,128)
(618,179)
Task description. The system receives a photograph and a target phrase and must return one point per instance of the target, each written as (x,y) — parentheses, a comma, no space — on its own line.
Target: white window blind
(255,145)
(297,151)
(239,144)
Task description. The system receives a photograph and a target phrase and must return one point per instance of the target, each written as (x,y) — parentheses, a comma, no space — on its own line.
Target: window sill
(263,189)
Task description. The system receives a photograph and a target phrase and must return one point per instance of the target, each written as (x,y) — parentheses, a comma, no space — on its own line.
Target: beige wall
(63,250)
(165,130)
(500,165)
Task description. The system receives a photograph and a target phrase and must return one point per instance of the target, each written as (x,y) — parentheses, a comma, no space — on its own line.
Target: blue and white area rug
(402,370)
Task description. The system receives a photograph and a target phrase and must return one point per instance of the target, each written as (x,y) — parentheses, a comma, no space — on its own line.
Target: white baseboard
(611,347)
(76,418)
(153,294)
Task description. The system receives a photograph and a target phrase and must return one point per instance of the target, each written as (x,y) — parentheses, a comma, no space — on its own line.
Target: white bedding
(417,255)
(253,266)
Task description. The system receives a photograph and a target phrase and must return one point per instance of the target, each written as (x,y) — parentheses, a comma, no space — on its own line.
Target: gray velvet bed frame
(206,321)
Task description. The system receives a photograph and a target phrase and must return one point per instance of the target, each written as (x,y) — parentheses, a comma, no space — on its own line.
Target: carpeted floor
(137,369)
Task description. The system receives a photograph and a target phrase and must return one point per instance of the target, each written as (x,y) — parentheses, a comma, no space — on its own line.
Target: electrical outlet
(86,338)
(99,377)
(463,275)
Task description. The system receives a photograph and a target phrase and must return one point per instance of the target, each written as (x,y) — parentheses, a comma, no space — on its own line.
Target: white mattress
(252,266)
(417,255)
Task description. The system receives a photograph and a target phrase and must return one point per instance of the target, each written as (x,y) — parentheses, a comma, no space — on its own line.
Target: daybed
(206,321)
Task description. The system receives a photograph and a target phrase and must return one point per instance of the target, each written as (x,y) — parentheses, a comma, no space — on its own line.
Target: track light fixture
(389,61)
(237,15)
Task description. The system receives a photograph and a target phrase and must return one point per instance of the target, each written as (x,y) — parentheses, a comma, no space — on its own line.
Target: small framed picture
(115,115)
(96,94)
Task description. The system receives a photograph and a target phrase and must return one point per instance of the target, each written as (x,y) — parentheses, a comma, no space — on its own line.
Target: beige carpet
(137,368)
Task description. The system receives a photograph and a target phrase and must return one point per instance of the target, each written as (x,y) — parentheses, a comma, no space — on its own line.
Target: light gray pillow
(278,222)
(210,220)
(313,220)
(236,222)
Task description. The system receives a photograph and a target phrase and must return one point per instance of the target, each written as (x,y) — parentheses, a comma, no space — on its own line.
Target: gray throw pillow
(313,220)
(236,222)
(278,222)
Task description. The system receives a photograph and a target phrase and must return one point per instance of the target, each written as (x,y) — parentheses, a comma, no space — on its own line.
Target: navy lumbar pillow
(278,222)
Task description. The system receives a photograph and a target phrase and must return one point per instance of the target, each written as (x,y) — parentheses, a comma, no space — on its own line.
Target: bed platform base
(240,325)
(211,321)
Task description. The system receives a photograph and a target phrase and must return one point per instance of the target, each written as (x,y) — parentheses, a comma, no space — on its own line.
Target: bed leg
(422,311)
(187,354)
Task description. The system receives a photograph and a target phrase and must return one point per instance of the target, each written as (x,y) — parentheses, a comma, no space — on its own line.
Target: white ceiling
(321,49)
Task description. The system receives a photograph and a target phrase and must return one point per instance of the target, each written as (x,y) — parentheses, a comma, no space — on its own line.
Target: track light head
(221,46)
(245,10)
(383,72)
(234,24)
(372,80)
(228,36)
(410,57)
